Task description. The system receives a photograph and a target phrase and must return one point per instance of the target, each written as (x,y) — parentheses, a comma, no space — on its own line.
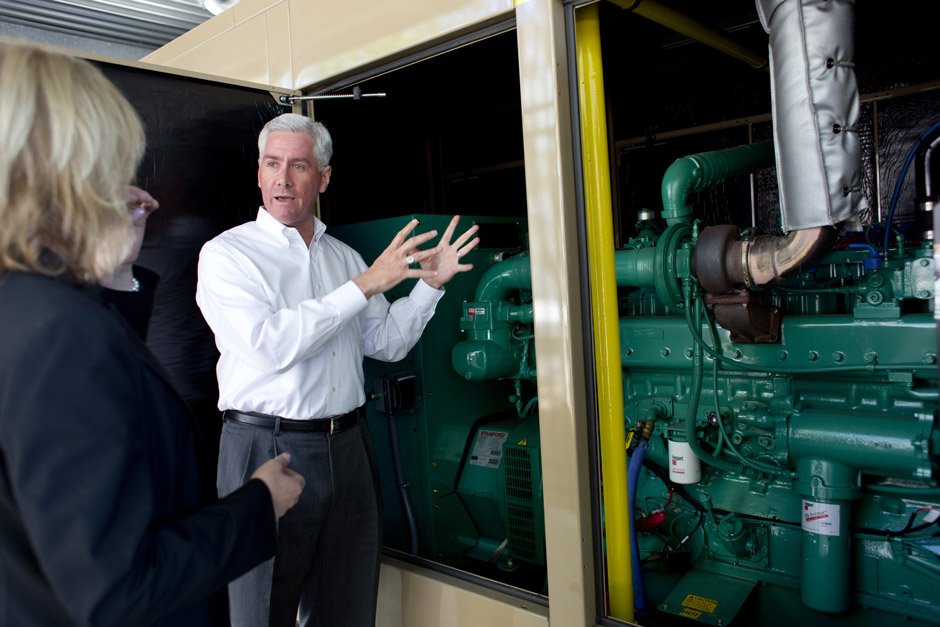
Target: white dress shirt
(290,324)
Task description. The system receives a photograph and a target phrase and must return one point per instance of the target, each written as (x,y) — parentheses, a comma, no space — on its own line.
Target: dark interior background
(658,81)
(446,138)
(202,165)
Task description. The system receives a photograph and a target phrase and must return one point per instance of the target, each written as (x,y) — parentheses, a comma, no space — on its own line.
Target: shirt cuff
(426,295)
(348,299)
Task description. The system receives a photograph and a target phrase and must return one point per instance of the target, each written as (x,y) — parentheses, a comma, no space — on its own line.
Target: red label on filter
(821,518)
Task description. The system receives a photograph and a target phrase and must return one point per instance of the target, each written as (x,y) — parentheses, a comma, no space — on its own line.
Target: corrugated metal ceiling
(140,23)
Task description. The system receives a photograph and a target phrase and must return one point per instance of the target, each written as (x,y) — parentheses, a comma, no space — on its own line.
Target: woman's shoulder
(26,290)
(34,302)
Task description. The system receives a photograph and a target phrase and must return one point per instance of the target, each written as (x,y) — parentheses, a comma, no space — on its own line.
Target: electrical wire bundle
(669,554)
(929,520)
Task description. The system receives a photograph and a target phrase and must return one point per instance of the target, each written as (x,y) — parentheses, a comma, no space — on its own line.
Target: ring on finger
(409,260)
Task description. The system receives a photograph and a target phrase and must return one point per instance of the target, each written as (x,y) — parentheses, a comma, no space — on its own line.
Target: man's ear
(325,178)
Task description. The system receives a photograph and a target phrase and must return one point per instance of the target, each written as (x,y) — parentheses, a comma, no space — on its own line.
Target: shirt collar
(319,228)
(269,224)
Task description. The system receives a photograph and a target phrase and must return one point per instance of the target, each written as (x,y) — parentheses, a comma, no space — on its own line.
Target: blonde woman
(106,514)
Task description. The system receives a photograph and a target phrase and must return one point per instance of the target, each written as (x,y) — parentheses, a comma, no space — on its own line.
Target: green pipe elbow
(502,278)
(704,170)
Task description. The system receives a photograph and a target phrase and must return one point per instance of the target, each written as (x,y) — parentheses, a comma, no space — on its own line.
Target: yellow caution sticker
(522,442)
(700,603)
(690,613)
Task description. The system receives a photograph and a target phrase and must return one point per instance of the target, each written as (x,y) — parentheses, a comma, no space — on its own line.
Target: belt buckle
(332,426)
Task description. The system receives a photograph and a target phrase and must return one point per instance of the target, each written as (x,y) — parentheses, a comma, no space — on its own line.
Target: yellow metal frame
(607,367)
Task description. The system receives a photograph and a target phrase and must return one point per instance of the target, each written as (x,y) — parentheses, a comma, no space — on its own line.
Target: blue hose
(897,187)
(633,475)
(873,261)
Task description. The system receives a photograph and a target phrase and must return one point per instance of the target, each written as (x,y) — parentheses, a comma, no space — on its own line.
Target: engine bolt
(838,357)
(813,356)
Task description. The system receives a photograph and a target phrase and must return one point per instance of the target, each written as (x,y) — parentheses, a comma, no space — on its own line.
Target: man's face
(290,179)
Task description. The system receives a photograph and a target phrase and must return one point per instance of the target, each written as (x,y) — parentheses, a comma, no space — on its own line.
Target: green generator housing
(470,463)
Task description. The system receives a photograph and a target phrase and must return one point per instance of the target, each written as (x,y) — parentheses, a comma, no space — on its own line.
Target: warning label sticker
(821,518)
(690,613)
(488,450)
(700,603)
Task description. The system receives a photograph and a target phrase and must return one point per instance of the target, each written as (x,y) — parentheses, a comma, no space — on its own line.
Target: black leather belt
(335,424)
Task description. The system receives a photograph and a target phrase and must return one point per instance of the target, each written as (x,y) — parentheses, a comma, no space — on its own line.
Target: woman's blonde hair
(70,143)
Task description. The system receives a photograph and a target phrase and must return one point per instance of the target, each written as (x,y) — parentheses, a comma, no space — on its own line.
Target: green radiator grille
(519,513)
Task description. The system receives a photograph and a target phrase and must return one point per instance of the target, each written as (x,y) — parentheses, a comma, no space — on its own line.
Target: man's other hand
(446,262)
(394,264)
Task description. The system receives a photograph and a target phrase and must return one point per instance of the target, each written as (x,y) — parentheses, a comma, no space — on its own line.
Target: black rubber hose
(402,486)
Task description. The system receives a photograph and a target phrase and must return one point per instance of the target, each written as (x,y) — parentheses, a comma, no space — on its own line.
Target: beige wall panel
(226,56)
(357,33)
(413,597)
(280,67)
(559,341)
(186,42)
(330,38)
(247,9)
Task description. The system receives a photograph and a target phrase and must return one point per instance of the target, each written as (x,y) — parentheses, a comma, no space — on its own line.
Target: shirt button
(333,353)
(318,286)
(334,389)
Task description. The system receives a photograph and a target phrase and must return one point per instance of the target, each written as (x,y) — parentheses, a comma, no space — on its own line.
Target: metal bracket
(356,95)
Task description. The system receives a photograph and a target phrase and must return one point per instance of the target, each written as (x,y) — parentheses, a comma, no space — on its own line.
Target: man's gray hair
(295,123)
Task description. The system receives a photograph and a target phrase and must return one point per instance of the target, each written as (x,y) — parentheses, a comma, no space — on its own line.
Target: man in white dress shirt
(294,311)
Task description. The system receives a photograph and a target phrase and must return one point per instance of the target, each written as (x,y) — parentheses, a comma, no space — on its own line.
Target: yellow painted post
(604,310)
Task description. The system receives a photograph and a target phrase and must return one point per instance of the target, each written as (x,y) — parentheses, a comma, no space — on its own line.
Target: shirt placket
(318,283)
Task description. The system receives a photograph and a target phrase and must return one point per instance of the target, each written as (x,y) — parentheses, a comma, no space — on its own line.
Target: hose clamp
(745,266)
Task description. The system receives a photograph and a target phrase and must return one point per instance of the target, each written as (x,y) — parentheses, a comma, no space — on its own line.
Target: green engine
(780,398)
(790,443)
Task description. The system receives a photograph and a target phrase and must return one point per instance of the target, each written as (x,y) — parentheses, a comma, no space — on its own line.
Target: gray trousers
(327,560)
